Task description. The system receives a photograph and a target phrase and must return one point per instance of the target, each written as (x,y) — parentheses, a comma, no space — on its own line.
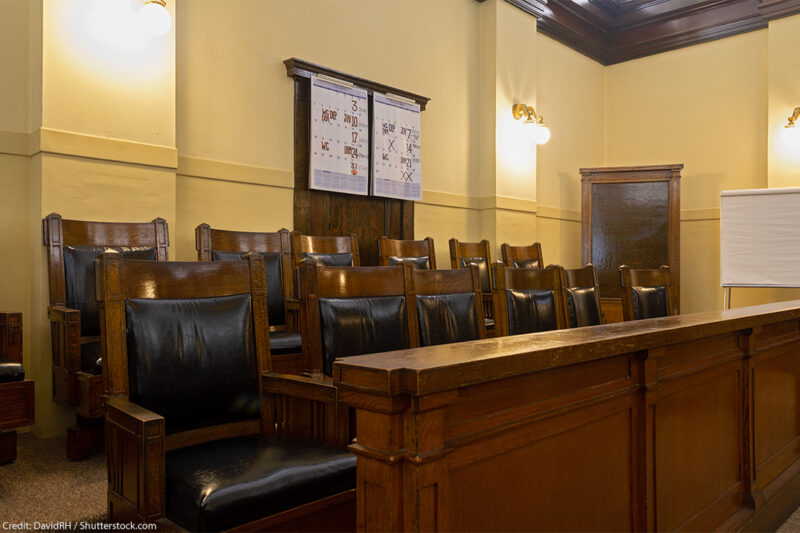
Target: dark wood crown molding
(613,31)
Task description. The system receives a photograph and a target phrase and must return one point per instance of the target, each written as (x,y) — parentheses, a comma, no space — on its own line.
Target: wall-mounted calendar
(339,138)
(396,148)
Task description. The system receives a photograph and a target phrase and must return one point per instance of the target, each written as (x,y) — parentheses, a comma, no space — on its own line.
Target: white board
(339,138)
(396,149)
(760,238)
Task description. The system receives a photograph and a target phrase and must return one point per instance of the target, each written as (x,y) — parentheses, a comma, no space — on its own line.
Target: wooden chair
(72,247)
(449,305)
(522,256)
(478,254)
(419,253)
(646,292)
(286,346)
(349,311)
(583,297)
(191,430)
(325,250)
(16,392)
(529,300)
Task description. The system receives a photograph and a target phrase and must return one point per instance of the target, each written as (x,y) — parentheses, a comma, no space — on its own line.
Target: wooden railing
(680,423)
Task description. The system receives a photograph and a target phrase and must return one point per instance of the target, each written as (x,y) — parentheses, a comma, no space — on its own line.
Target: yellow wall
(784,96)
(571,96)
(704,106)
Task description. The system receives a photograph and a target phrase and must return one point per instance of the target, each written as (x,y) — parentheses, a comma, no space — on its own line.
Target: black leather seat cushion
(80,280)
(91,358)
(11,371)
(526,263)
(193,361)
(356,326)
(483,271)
(530,311)
(227,483)
(446,318)
(649,302)
(285,342)
(422,262)
(273,269)
(338,260)
(583,307)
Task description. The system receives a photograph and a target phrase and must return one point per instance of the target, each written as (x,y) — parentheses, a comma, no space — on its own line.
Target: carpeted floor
(44,486)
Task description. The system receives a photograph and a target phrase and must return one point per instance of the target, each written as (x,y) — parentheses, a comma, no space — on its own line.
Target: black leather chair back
(336,259)
(79,273)
(525,263)
(193,360)
(273,269)
(483,271)
(649,302)
(422,262)
(583,306)
(530,311)
(356,326)
(446,318)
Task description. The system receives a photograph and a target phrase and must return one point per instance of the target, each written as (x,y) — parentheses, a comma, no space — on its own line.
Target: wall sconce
(155,18)
(795,115)
(542,133)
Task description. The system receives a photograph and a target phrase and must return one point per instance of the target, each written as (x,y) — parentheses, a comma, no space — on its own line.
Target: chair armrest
(317,389)
(305,407)
(65,326)
(135,445)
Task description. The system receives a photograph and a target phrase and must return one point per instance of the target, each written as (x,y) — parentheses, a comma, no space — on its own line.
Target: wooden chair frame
(17,405)
(475,249)
(584,277)
(208,239)
(644,277)
(550,278)
(403,248)
(78,390)
(136,437)
(511,253)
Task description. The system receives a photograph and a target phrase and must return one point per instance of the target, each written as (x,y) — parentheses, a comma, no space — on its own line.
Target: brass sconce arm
(521,110)
(795,116)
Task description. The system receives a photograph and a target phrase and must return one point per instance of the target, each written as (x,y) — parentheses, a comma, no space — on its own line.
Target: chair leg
(8,446)
(84,437)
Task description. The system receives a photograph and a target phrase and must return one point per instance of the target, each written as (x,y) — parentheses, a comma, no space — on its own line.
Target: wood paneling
(329,213)
(676,423)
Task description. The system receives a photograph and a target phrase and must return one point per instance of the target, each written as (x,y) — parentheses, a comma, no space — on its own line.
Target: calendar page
(396,150)
(339,138)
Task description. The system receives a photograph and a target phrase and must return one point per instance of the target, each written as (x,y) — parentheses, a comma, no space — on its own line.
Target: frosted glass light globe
(542,134)
(155,19)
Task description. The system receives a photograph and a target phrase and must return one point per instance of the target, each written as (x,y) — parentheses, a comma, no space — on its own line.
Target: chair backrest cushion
(80,280)
(193,360)
(273,269)
(483,270)
(422,262)
(649,302)
(446,318)
(530,311)
(582,304)
(525,263)
(356,326)
(344,259)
